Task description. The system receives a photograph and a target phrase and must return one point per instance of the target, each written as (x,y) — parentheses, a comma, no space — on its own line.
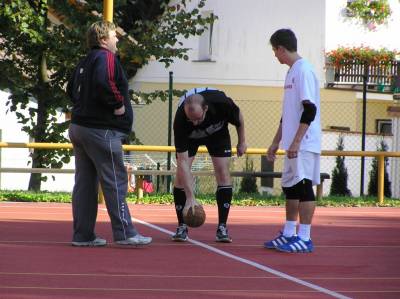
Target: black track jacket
(97,87)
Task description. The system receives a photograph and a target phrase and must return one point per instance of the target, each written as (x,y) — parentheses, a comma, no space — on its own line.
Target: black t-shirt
(221,111)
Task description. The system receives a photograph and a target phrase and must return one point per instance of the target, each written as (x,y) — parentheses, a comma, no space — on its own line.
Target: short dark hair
(285,38)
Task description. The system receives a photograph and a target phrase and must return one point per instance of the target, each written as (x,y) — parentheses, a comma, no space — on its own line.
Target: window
(383,126)
(206,40)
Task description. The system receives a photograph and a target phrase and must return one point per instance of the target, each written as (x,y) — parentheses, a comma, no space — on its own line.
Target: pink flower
(371,26)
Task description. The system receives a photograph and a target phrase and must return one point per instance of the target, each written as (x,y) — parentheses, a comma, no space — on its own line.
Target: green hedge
(238,199)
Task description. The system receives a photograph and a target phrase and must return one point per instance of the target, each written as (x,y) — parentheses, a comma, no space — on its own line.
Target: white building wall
(241,51)
(19,157)
(11,132)
(241,48)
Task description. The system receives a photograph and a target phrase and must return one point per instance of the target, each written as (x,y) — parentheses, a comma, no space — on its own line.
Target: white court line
(249,262)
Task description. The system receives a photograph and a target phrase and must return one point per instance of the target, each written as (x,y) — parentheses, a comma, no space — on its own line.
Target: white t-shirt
(301,84)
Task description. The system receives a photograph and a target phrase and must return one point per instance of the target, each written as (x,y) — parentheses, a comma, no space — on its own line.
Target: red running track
(356,256)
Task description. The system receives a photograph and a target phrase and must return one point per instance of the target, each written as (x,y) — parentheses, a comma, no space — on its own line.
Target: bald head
(195,108)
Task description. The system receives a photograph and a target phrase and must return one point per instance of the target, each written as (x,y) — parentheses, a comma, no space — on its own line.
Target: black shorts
(218,145)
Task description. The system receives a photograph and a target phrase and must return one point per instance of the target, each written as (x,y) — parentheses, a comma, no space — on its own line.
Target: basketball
(197,219)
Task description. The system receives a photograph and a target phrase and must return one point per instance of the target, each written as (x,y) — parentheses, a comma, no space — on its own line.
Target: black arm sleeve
(233,112)
(310,110)
(181,139)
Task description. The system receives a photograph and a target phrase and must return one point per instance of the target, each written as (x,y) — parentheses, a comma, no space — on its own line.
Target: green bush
(339,174)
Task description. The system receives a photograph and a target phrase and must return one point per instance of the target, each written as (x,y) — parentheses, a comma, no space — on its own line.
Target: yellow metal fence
(380,155)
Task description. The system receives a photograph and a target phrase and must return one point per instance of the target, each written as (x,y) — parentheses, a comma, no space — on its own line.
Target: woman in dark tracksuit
(102,117)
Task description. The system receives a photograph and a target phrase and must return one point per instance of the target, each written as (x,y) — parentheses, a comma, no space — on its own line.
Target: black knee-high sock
(179,200)
(224,198)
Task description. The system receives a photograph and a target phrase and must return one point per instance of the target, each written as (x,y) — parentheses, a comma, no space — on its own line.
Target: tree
(36,57)
(248,183)
(373,174)
(339,173)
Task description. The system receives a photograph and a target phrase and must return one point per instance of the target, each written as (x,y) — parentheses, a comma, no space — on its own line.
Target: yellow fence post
(108,10)
(381,178)
(107,16)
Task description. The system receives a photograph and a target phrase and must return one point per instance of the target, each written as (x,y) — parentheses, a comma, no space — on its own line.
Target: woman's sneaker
(135,241)
(222,235)
(94,243)
(181,234)
(278,241)
(296,245)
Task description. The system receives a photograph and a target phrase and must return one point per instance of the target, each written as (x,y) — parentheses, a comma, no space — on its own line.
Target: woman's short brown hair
(98,31)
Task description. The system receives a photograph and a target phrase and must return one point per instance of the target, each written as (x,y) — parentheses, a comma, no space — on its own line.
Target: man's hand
(271,153)
(293,150)
(119,111)
(190,204)
(241,149)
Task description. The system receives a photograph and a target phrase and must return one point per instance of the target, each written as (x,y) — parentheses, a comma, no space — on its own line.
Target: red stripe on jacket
(111,79)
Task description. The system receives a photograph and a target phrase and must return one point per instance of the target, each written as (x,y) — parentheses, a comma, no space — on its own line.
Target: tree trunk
(39,132)
(35,180)
(37,156)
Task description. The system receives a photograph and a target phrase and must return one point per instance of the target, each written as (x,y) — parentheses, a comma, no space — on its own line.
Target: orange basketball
(197,219)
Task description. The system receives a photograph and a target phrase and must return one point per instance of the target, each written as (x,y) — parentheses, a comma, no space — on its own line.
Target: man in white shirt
(299,133)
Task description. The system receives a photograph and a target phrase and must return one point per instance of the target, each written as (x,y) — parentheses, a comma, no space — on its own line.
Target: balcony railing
(382,76)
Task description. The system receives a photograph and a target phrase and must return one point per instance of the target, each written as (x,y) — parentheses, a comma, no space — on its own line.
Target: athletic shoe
(181,234)
(296,245)
(94,243)
(135,241)
(222,235)
(279,240)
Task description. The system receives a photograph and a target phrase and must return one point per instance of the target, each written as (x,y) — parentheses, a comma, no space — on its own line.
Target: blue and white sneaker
(296,245)
(279,240)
